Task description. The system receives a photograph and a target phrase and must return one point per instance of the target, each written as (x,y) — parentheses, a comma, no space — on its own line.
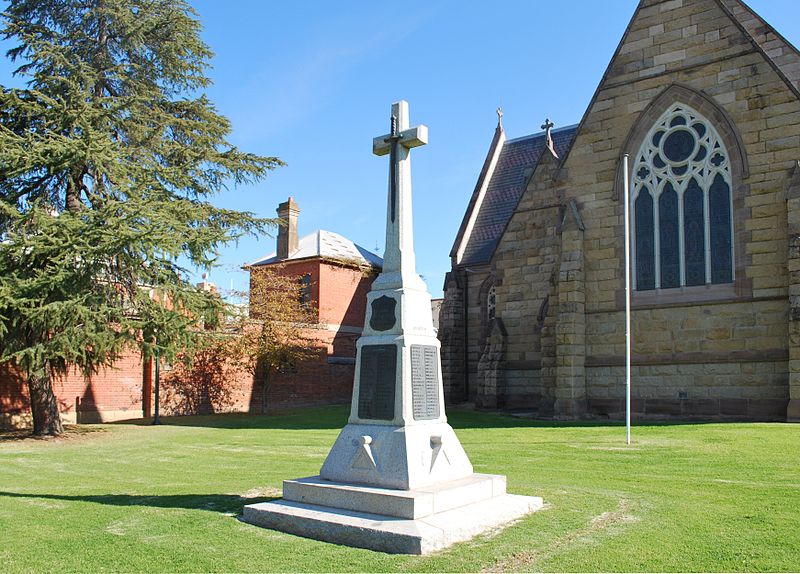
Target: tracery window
(681,204)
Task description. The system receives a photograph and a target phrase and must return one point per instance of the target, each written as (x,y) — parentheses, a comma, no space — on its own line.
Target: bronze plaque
(382,318)
(377,382)
(424,382)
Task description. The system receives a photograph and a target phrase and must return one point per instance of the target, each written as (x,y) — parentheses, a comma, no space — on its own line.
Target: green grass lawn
(132,497)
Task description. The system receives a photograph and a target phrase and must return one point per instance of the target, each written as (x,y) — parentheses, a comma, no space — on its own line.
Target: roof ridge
(325,244)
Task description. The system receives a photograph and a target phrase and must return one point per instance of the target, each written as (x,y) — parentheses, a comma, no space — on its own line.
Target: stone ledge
(389,534)
(411,504)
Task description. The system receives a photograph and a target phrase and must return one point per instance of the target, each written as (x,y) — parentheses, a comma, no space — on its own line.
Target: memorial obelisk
(397,478)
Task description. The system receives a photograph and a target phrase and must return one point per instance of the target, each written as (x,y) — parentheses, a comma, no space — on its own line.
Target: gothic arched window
(491,303)
(681,204)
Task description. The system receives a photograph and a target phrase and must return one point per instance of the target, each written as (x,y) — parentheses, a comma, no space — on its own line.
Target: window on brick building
(305,289)
(682,213)
(491,303)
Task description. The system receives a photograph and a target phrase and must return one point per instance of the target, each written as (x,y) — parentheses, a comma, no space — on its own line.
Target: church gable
(703,97)
(710,229)
(699,53)
(502,182)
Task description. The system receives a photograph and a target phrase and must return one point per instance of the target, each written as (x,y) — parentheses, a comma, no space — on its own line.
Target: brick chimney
(287,234)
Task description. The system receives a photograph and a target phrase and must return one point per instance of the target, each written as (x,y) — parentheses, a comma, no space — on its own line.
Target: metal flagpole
(626,188)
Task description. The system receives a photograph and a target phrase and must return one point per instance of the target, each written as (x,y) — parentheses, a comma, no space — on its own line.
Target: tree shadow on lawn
(326,418)
(71,433)
(335,417)
(222,503)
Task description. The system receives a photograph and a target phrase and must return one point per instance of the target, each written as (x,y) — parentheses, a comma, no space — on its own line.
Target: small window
(305,289)
(491,303)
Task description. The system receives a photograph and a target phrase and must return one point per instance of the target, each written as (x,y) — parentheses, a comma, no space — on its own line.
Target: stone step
(390,534)
(410,504)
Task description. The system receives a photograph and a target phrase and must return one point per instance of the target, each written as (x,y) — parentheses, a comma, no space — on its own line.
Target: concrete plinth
(416,521)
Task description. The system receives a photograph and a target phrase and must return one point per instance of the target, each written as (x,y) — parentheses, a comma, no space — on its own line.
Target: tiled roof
(505,187)
(328,245)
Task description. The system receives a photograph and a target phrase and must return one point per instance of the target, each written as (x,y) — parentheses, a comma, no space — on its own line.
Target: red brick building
(336,275)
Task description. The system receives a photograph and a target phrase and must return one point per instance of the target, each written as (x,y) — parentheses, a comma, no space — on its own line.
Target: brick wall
(339,294)
(343,294)
(111,394)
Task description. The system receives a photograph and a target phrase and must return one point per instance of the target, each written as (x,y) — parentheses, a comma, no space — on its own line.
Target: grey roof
(507,183)
(328,245)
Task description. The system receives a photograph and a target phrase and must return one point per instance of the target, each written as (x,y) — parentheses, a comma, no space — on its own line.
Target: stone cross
(548,137)
(397,478)
(398,255)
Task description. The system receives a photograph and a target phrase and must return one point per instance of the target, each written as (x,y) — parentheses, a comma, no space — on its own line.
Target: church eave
(528,180)
(769,29)
(485,175)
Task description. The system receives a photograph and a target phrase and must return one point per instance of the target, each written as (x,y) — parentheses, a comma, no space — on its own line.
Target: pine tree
(108,160)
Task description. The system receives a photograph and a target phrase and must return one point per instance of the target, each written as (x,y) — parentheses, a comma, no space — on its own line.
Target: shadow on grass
(224,503)
(299,419)
(71,432)
(335,417)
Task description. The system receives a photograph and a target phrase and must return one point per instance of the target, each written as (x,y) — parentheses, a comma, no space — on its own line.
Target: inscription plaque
(383,318)
(377,382)
(424,382)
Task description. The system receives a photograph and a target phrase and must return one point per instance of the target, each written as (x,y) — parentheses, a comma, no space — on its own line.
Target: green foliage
(108,160)
(138,498)
(277,334)
(203,382)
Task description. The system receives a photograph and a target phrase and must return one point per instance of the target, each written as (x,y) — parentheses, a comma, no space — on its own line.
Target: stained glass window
(694,237)
(645,264)
(719,199)
(682,206)
(668,244)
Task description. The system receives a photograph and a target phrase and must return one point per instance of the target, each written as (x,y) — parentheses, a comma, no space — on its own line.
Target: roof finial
(548,137)
(500,117)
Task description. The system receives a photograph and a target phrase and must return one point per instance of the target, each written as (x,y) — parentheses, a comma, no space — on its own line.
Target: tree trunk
(44,407)
(264,389)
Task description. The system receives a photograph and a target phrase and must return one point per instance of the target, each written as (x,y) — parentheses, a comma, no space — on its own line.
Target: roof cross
(548,137)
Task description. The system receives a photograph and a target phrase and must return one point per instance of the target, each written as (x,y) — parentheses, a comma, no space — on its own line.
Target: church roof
(499,189)
(327,245)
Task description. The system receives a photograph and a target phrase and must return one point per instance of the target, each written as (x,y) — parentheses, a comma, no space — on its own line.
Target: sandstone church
(704,97)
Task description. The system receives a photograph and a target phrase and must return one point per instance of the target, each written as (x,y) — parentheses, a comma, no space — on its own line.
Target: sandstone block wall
(721,350)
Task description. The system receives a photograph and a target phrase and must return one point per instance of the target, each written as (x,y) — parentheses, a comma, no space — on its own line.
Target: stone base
(397,457)
(416,521)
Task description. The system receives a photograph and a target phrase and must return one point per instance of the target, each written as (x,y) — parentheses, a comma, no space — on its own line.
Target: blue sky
(312,83)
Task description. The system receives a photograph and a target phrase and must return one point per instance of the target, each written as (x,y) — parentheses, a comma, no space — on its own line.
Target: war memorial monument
(397,478)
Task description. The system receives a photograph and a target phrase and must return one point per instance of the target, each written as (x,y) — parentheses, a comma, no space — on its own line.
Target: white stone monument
(397,478)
